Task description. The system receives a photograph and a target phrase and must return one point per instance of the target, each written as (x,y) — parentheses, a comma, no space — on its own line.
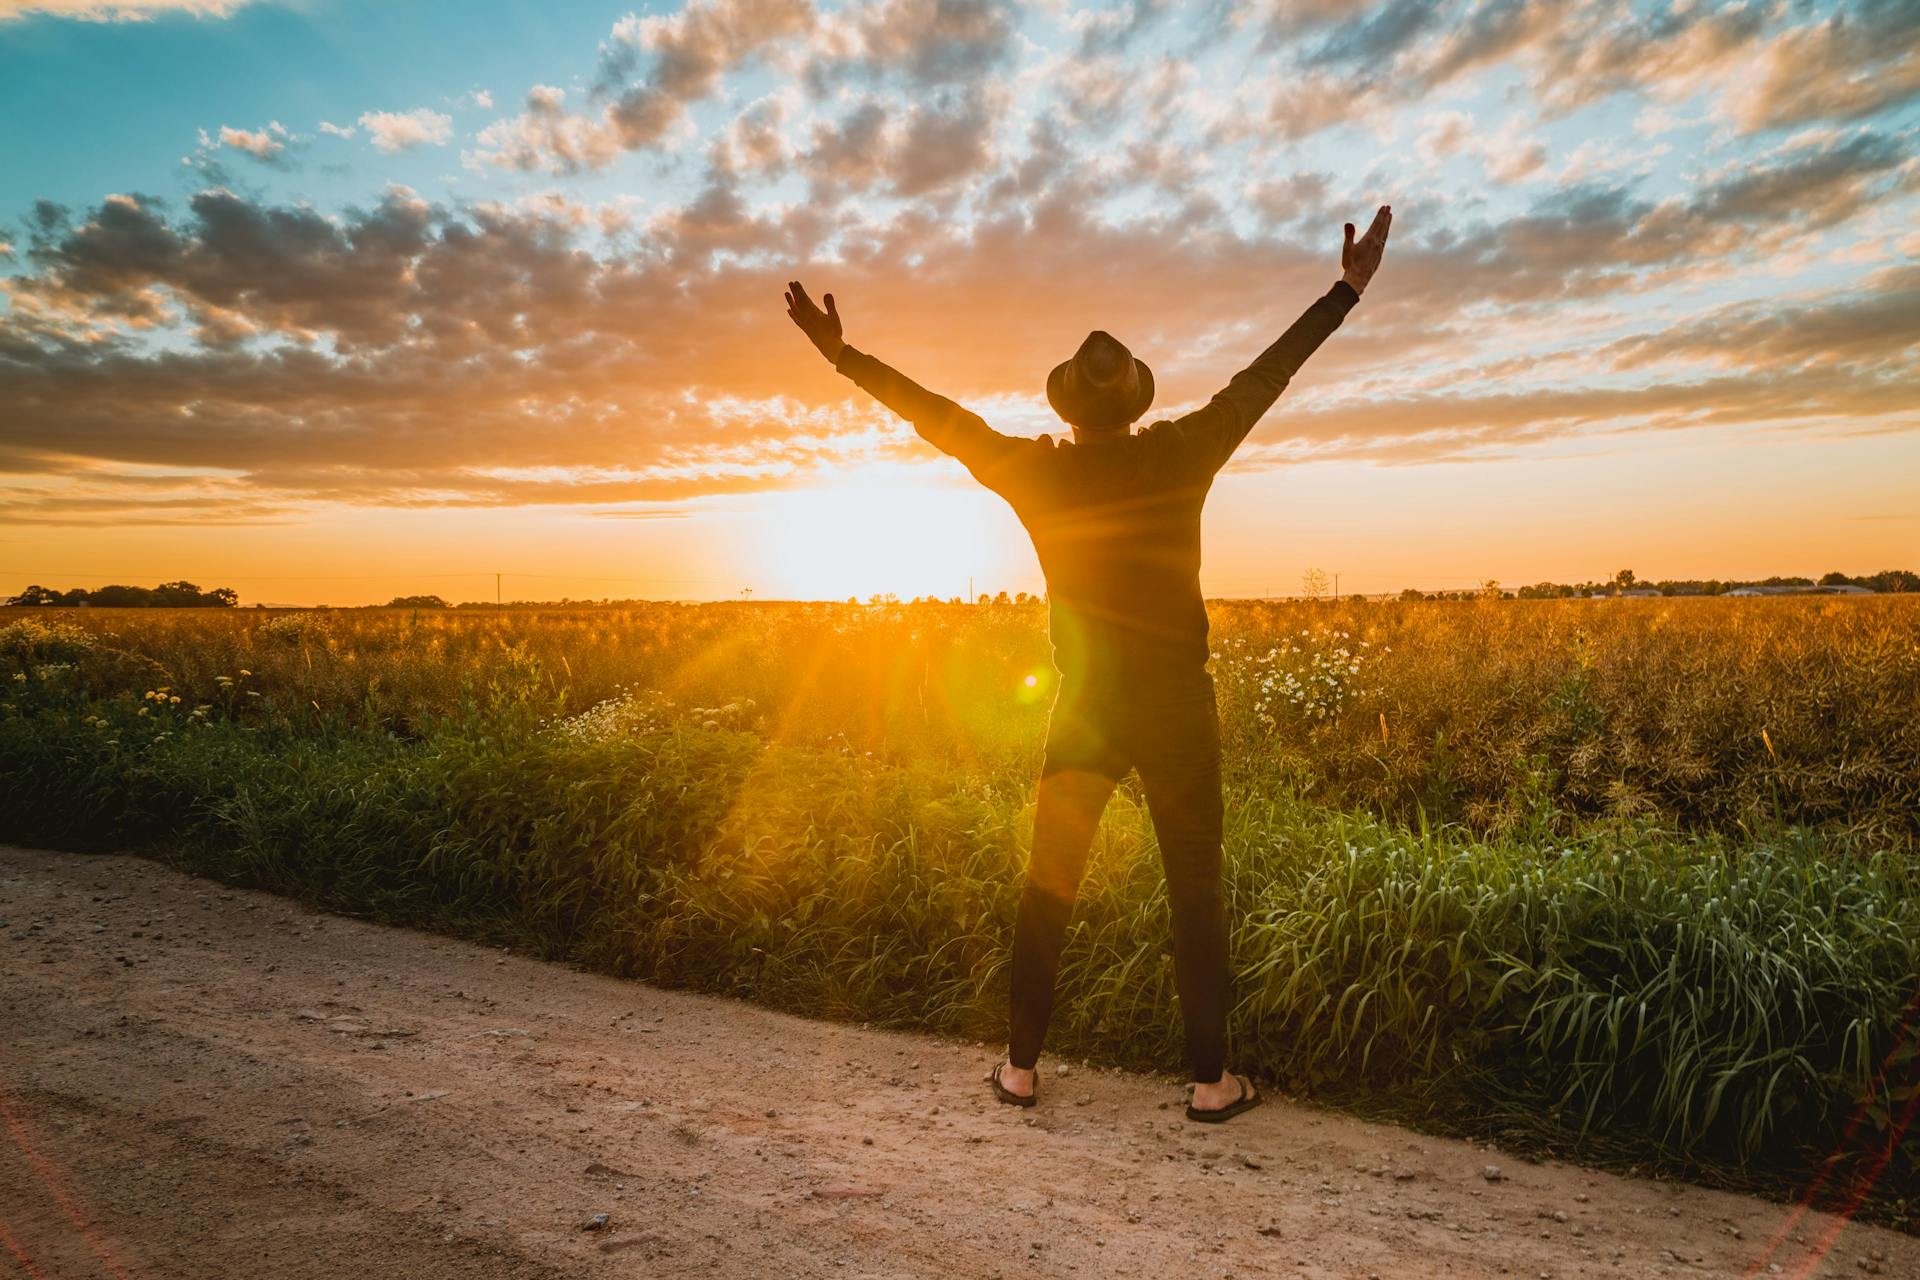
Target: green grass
(1737,1002)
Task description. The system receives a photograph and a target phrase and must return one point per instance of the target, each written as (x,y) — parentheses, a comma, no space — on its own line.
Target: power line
(360,577)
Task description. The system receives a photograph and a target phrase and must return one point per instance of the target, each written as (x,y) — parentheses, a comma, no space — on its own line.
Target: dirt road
(199,1082)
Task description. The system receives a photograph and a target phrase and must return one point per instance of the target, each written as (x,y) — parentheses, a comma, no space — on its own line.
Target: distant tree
(420,602)
(1002,598)
(1413,593)
(1895,580)
(36,595)
(1623,579)
(1490,589)
(117,596)
(1314,583)
(176,595)
(1022,598)
(853,599)
(1835,579)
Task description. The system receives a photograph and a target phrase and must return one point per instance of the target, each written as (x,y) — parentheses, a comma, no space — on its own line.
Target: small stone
(1491,1173)
(598,1222)
(866,1142)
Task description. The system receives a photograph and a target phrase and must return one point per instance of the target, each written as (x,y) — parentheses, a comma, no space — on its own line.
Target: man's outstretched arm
(989,455)
(1211,433)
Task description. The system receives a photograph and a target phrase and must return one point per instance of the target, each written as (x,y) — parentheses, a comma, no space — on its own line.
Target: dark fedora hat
(1103,385)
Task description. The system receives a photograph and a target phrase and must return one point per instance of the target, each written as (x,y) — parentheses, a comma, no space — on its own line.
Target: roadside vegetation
(1633,879)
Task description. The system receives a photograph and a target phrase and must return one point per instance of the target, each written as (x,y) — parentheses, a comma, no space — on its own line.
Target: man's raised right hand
(1359,259)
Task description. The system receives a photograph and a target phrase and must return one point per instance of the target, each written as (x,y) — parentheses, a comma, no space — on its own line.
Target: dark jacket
(1115,520)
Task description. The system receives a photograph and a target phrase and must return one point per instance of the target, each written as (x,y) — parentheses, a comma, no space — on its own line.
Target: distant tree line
(168,595)
(1625,581)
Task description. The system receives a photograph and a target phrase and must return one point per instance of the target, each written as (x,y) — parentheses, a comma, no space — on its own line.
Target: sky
(336,300)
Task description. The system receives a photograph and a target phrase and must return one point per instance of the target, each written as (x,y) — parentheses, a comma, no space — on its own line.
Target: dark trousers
(1170,734)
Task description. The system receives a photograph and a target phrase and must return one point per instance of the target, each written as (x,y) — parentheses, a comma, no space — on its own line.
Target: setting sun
(884,530)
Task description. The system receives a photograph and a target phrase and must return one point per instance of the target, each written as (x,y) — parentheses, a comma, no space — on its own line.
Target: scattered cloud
(909,153)
(262,144)
(689,52)
(1856,58)
(928,42)
(1508,154)
(115,10)
(404,130)
(545,135)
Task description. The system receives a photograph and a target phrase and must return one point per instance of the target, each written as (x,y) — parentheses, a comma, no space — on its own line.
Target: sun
(880,531)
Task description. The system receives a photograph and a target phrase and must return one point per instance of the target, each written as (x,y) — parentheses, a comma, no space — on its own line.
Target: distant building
(1803,589)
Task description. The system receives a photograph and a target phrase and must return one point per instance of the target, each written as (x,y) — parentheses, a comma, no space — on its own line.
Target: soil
(197,1081)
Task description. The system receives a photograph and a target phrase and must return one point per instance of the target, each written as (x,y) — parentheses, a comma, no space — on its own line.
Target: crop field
(1632,877)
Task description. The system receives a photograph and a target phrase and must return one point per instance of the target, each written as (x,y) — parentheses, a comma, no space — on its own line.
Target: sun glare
(881,532)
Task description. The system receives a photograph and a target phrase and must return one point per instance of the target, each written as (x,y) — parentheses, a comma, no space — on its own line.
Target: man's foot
(1016,1080)
(1222,1093)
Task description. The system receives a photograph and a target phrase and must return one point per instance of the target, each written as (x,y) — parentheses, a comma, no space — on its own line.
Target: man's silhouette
(1115,518)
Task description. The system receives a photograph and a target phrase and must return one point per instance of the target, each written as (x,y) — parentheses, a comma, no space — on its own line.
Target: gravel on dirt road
(198,1081)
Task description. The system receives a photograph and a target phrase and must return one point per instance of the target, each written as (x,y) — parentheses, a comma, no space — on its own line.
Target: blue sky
(495,277)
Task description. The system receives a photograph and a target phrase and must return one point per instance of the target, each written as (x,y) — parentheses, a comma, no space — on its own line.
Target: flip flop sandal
(1005,1094)
(1249,1097)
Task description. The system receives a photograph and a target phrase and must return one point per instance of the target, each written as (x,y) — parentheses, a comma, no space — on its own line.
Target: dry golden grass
(1727,714)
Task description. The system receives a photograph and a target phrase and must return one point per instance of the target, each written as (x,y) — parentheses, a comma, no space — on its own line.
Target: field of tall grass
(1633,877)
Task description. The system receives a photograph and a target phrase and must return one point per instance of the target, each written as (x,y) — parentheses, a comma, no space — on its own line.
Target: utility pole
(1336,584)
(496,590)
(969,588)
